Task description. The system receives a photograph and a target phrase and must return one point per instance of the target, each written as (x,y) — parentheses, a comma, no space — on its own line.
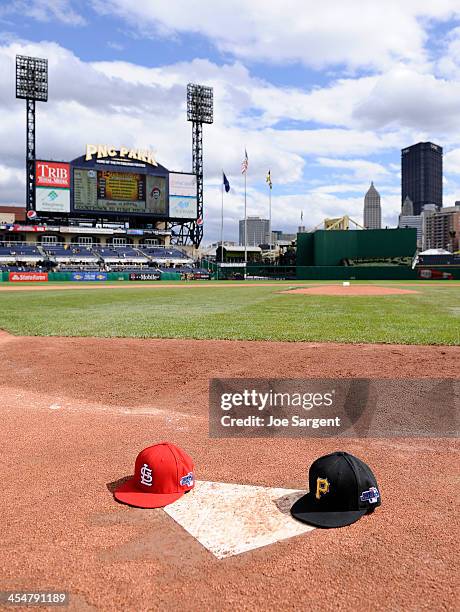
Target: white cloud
(44,11)
(360,168)
(320,166)
(448,64)
(404,97)
(12,185)
(318,34)
(452,161)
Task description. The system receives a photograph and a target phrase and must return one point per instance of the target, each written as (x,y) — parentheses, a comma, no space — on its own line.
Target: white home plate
(229,519)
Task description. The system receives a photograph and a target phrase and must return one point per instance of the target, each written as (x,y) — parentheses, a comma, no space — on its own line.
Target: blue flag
(226,183)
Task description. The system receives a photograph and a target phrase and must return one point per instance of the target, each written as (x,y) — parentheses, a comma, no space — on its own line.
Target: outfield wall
(332,247)
(356,273)
(329,272)
(73,277)
(269,272)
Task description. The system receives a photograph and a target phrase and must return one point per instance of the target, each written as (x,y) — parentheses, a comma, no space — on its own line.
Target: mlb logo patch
(187,480)
(371,495)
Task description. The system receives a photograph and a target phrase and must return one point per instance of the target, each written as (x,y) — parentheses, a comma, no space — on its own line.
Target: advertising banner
(144,276)
(27,277)
(182,196)
(182,207)
(28,228)
(156,195)
(52,200)
(52,174)
(89,276)
(434,274)
(182,184)
(201,276)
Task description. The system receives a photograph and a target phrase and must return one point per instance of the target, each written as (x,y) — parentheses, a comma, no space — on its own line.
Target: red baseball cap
(162,473)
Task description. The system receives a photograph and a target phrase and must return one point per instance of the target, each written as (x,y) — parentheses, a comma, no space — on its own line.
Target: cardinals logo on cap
(146,475)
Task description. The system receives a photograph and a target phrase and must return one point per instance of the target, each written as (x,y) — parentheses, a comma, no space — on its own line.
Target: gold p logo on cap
(322,487)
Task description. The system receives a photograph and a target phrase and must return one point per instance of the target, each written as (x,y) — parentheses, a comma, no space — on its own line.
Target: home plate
(229,519)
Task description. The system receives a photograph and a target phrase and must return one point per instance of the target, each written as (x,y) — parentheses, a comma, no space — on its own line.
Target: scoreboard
(103,191)
(121,187)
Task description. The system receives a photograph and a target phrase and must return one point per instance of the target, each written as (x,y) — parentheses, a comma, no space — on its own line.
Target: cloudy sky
(325,94)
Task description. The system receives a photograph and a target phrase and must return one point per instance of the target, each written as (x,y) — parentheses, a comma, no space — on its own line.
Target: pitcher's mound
(351,290)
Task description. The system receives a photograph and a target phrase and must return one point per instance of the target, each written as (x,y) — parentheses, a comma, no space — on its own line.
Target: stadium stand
(61,253)
(20,252)
(60,257)
(442,259)
(120,255)
(162,255)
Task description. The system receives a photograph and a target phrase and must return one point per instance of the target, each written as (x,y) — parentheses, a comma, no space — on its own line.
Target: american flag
(245,163)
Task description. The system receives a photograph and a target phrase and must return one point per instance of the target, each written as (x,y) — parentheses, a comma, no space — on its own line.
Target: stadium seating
(92,258)
(22,269)
(69,253)
(122,254)
(447,259)
(27,253)
(165,254)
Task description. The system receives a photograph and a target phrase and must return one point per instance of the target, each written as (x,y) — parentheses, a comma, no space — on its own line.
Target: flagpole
(221,226)
(270,215)
(244,170)
(245,230)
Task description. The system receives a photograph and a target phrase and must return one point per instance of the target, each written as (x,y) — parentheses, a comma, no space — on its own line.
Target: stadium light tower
(199,111)
(31,85)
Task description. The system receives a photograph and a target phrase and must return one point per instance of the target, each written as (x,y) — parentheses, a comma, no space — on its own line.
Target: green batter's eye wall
(331,247)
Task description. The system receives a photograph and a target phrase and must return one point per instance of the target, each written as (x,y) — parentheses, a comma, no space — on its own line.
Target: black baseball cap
(342,489)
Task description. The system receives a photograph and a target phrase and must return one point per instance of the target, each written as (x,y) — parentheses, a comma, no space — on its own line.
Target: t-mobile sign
(52,174)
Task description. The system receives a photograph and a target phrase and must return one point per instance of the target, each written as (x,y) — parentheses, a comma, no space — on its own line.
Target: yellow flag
(269,179)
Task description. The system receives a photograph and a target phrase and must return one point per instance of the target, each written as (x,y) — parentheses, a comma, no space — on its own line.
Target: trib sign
(52,174)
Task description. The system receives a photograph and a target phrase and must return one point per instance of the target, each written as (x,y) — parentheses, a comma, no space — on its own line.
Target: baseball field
(417,313)
(92,374)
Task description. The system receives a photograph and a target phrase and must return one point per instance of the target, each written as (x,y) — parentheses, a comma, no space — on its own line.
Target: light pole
(31,86)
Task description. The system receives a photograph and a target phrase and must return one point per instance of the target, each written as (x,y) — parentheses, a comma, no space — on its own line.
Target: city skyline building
(421,175)
(441,229)
(407,207)
(258,231)
(413,221)
(372,209)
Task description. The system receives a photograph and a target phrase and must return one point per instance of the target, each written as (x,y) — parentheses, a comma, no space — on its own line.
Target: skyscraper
(441,229)
(372,209)
(258,231)
(421,175)
(407,207)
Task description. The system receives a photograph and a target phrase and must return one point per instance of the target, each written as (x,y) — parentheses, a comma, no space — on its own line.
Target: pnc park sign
(100,151)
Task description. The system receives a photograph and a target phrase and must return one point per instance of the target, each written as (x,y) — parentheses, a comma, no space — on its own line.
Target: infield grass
(431,316)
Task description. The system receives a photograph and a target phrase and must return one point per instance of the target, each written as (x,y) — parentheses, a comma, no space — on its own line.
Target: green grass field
(245,313)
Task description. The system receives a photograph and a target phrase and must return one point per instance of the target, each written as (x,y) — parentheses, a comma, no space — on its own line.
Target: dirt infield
(350,290)
(75,411)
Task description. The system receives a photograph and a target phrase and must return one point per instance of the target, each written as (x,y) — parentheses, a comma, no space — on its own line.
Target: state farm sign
(52,174)
(27,277)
